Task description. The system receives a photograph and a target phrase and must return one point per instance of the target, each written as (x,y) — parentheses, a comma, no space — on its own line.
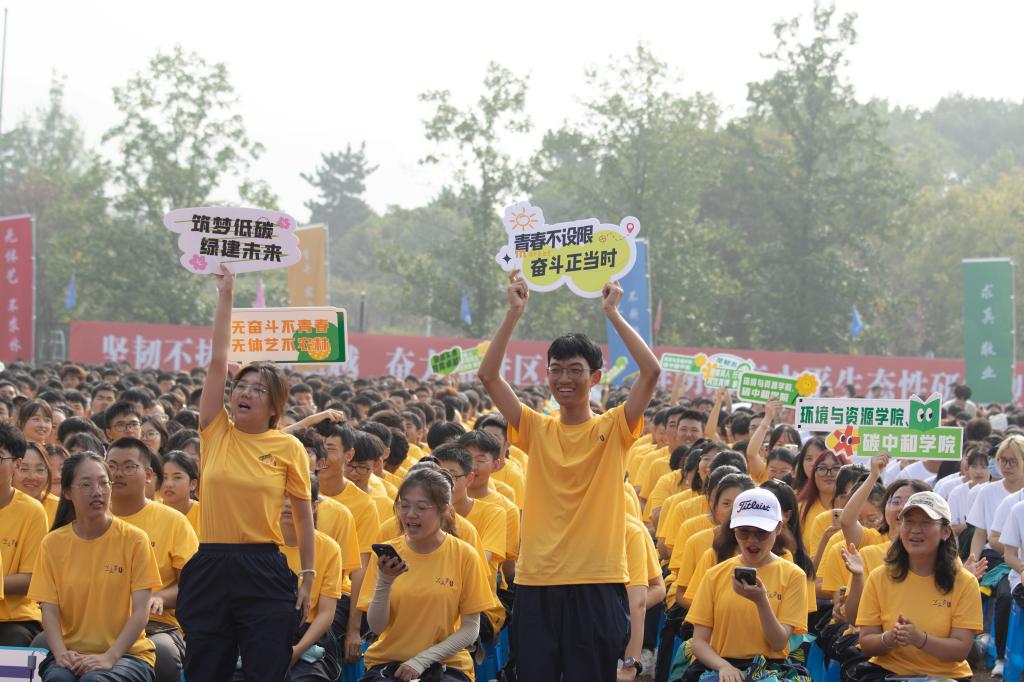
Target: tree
(813,190)
(340,180)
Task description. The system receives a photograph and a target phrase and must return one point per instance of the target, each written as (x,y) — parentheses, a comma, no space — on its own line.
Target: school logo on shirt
(9,542)
(777,596)
(113,568)
(444,582)
(268,458)
(942,602)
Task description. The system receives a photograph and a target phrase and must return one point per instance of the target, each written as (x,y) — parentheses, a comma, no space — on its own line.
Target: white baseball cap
(758,508)
(930,503)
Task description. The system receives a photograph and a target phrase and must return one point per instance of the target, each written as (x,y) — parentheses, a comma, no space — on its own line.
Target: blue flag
(464,313)
(856,326)
(71,299)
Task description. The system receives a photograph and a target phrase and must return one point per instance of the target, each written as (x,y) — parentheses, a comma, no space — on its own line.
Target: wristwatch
(631,662)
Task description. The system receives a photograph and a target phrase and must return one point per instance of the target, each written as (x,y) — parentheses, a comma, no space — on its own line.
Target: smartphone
(385,551)
(745,575)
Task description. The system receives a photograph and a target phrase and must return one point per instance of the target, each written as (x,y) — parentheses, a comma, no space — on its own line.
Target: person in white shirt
(1010,459)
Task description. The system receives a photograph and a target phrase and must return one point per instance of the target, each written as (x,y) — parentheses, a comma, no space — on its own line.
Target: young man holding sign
(571,617)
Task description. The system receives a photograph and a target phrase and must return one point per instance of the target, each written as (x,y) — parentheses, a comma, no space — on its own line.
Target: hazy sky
(313,76)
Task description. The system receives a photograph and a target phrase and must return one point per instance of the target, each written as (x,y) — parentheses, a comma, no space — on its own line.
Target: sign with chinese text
(989,329)
(756,387)
(682,364)
(307,279)
(943,442)
(636,309)
(582,254)
(245,239)
(17,288)
(288,335)
(826,414)
(723,370)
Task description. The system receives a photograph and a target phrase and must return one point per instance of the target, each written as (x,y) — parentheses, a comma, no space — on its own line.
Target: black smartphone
(745,575)
(385,551)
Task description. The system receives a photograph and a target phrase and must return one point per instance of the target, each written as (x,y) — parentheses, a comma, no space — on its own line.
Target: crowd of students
(248,523)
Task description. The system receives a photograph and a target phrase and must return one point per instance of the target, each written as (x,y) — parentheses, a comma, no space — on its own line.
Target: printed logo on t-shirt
(113,568)
(444,582)
(942,602)
(777,596)
(9,542)
(268,459)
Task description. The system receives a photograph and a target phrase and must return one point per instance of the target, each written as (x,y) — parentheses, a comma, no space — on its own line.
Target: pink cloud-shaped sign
(244,239)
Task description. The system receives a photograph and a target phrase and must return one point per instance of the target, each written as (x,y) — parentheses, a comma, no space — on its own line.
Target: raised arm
(650,370)
(211,402)
(489,373)
(849,520)
(711,428)
(757,464)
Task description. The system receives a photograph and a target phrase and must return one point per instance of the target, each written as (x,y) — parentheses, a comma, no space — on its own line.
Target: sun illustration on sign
(522,220)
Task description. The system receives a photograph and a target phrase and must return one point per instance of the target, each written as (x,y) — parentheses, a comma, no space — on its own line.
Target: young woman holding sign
(237,594)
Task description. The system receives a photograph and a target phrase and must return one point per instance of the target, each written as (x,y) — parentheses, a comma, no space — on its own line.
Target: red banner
(17,289)
(175,347)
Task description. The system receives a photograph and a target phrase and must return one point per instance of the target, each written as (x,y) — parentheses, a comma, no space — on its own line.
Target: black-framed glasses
(827,471)
(573,372)
(126,426)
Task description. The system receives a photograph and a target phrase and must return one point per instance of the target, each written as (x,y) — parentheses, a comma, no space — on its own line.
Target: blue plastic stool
(816,663)
(990,616)
(1014,645)
(492,665)
(504,648)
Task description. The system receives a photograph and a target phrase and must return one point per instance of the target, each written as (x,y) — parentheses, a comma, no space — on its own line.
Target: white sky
(313,76)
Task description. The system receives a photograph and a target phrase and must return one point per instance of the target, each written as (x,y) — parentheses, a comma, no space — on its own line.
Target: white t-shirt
(891,471)
(983,511)
(944,486)
(916,471)
(1012,534)
(960,499)
(1003,511)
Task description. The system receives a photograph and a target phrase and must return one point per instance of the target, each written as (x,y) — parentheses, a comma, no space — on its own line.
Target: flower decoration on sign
(843,441)
(198,262)
(806,384)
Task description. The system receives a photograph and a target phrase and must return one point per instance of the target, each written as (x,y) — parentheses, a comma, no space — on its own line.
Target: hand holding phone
(747,576)
(385,551)
(389,564)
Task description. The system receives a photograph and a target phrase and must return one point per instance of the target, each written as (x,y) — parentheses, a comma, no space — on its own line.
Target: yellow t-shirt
(512,476)
(735,626)
(574,524)
(518,456)
(95,598)
(512,524)
(364,511)
(921,602)
(632,501)
(489,522)
(385,506)
(378,486)
(327,581)
(22,528)
(812,530)
(415,452)
(503,488)
(463,529)
(335,521)
(50,503)
(833,571)
(244,480)
(636,455)
(193,517)
(645,467)
(658,468)
(667,509)
(641,555)
(690,509)
(668,485)
(428,601)
(699,533)
(173,542)
(873,556)
(394,479)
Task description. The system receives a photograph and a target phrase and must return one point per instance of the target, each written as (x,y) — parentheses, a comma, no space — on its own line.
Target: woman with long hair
(920,611)
(425,599)
(33,477)
(35,419)
(818,493)
(237,594)
(94,616)
(180,488)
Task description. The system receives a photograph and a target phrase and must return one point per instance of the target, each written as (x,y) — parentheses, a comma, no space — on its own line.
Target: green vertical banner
(989,329)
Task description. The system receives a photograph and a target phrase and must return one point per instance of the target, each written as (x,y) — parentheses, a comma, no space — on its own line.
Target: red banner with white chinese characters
(17,289)
(175,347)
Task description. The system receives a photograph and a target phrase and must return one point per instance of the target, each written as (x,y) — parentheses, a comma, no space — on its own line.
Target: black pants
(569,633)
(385,673)
(237,599)
(869,672)
(19,632)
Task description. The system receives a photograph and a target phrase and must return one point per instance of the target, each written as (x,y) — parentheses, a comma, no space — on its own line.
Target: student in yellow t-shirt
(734,622)
(645,588)
(174,542)
(426,604)
(818,493)
(488,519)
(339,440)
(247,467)
(921,611)
(22,528)
(94,616)
(506,469)
(33,476)
(484,449)
(572,558)
(369,449)
(181,486)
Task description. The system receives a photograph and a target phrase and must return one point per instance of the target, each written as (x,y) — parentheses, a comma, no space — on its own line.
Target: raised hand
(611,294)
(518,293)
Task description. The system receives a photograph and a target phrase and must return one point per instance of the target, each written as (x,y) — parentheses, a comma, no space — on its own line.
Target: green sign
(288,335)
(615,370)
(756,387)
(989,329)
(943,442)
(682,364)
(723,370)
(458,360)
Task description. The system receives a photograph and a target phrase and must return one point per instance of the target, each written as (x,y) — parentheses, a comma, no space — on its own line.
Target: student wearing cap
(737,625)
(921,610)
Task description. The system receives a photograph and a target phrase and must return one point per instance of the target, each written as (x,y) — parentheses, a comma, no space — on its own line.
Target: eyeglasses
(90,487)
(919,525)
(896,502)
(257,390)
(128,468)
(827,471)
(574,372)
(38,471)
(359,468)
(404,508)
(7,459)
(126,426)
(747,533)
(1008,462)
(150,435)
